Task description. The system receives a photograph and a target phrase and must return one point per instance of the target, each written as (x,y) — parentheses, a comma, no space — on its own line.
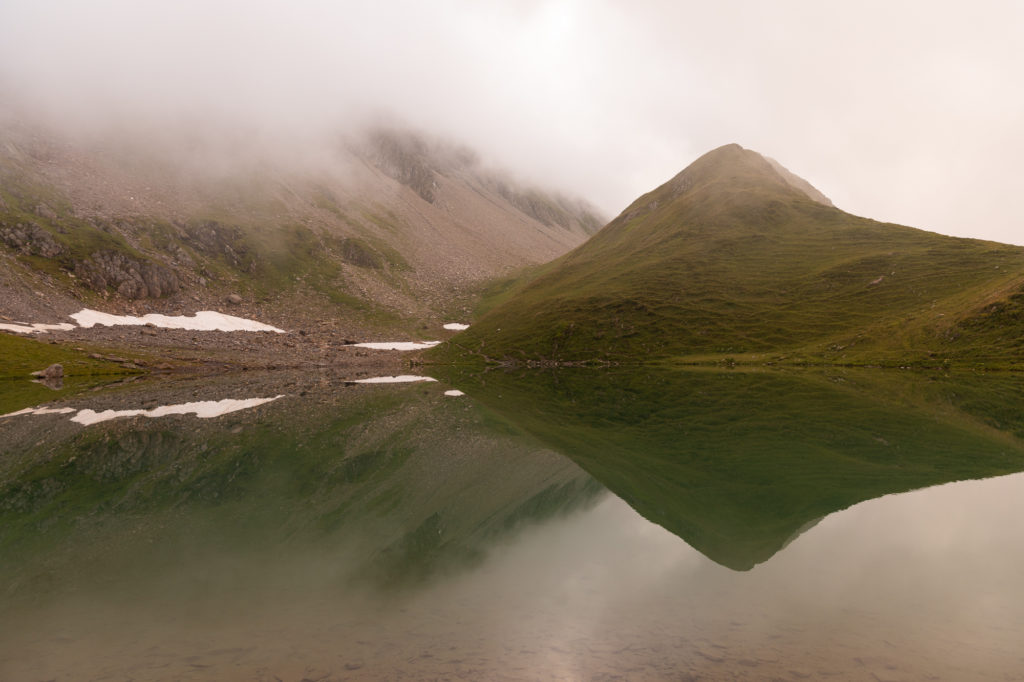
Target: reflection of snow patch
(40,410)
(205,409)
(456,326)
(397,345)
(36,328)
(401,379)
(204,320)
(454,393)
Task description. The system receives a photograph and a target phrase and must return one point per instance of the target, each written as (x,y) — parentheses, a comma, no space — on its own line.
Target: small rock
(886,676)
(45,211)
(234,299)
(54,371)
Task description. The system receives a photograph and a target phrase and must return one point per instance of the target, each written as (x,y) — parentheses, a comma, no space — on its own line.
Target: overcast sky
(910,112)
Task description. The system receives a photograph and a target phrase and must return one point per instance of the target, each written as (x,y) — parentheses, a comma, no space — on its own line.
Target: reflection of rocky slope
(387,225)
(738,464)
(399,482)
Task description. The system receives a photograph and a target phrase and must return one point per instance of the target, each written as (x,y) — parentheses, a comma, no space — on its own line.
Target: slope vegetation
(387,227)
(734,258)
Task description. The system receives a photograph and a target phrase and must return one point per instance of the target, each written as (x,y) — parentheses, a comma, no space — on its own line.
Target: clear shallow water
(390,532)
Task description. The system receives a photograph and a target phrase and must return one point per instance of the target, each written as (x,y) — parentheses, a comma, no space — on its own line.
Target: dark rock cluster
(30,239)
(132,278)
(215,238)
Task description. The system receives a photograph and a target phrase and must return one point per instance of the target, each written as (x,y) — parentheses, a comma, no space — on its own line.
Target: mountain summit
(736,255)
(733,169)
(727,179)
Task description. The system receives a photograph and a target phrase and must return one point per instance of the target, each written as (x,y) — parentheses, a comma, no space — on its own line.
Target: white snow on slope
(397,345)
(204,320)
(456,326)
(36,328)
(39,410)
(454,393)
(205,409)
(401,379)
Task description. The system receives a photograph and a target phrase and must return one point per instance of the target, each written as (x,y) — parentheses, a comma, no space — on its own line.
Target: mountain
(385,229)
(740,463)
(737,258)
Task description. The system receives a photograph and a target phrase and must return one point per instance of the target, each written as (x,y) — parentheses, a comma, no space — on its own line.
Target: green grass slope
(728,258)
(20,357)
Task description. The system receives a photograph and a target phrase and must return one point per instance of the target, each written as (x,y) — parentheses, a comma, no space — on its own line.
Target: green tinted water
(569,525)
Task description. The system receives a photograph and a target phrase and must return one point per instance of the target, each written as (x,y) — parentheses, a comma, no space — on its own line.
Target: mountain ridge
(386,229)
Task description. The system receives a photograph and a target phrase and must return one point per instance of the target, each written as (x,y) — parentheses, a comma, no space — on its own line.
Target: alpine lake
(578,524)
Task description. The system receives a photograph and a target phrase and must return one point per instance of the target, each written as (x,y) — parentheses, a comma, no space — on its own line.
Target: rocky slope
(384,230)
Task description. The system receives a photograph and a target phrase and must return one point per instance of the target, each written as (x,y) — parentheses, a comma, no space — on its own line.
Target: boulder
(54,371)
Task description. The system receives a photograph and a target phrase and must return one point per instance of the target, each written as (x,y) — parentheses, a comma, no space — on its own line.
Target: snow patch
(456,326)
(205,409)
(40,410)
(397,345)
(204,320)
(36,328)
(454,393)
(401,379)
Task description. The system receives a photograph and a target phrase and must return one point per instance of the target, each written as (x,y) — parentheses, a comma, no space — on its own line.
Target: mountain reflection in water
(349,531)
(738,464)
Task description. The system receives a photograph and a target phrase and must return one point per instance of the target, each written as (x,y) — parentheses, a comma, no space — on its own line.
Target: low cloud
(906,112)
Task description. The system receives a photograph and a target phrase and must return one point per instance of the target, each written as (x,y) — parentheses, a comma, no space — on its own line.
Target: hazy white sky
(909,111)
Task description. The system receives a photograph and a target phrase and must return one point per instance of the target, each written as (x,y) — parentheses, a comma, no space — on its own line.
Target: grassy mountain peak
(734,257)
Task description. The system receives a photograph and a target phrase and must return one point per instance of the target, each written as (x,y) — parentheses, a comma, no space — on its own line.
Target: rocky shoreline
(178,350)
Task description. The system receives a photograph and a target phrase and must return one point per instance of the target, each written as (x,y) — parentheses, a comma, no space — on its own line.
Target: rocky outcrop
(356,252)
(214,238)
(29,238)
(406,159)
(130,277)
(549,209)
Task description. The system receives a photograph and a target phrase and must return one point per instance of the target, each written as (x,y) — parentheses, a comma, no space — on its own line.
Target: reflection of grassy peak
(737,463)
(728,258)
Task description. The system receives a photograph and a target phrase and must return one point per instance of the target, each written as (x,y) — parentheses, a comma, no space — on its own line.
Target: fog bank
(907,113)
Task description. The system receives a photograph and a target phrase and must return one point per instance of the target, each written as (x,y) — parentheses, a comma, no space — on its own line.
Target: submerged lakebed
(573,524)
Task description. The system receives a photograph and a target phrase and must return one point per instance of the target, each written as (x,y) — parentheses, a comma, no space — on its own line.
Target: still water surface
(361,531)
